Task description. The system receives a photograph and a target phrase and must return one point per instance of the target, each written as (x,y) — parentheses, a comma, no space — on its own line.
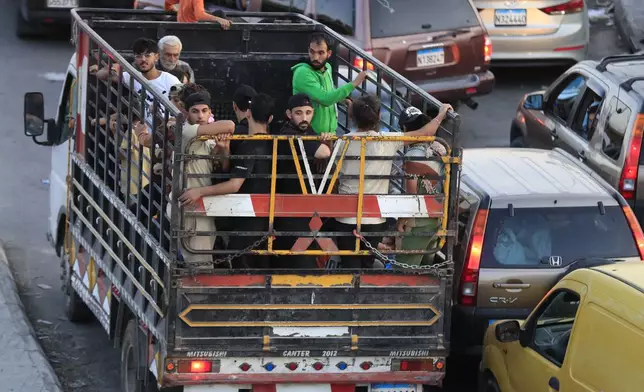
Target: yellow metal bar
(321,281)
(232,324)
(446,183)
(271,206)
(298,169)
(363,151)
(337,169)
(190,308)
(354,342)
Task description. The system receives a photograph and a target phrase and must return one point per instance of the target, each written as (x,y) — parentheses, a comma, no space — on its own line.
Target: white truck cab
(59,134)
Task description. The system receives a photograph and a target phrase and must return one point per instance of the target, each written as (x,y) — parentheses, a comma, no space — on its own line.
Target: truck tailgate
(375,314)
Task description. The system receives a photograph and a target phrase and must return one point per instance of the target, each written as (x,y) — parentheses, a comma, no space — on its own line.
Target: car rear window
(533,235)
(391,18)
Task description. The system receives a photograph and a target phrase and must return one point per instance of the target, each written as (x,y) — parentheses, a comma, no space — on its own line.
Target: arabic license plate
(394,388)
(62,3)
(429,57)
(510,17)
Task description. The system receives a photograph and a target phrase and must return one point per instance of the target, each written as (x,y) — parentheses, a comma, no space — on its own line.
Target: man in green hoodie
(314,78)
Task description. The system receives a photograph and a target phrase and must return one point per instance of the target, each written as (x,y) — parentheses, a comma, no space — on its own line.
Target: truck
(206,326)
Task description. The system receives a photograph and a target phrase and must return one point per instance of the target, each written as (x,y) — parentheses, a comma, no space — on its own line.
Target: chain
(437,268)
(192,267)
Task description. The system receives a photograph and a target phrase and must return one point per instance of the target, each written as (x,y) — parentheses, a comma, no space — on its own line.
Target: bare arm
(224,188)
(432,127)
(216,128)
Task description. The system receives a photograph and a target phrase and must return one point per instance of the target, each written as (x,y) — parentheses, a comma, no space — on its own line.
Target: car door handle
(554,383)
(499,285)
(581,154)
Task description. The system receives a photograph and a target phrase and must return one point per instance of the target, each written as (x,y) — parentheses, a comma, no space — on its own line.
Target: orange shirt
(191,11)
(171,5)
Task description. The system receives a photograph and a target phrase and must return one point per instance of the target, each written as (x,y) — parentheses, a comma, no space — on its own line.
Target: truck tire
(489,383)
(129,351)
(75,309)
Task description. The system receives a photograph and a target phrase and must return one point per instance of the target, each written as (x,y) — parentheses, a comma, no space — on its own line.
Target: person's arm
(432,127)
(305,81)
(216,128)
(201,15)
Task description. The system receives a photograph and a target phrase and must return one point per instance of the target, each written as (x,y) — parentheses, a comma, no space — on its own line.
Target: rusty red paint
(228,281)
(397,280)
(82,52)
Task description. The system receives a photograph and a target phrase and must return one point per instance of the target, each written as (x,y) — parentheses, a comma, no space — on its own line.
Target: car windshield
(392,18)
(555,237)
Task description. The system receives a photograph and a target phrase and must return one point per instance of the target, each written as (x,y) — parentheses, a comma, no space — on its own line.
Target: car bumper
(458,88)
(569,44)
(470,323)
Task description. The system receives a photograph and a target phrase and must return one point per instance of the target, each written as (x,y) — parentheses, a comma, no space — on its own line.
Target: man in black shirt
(300,114)
(241,106)
(243,179)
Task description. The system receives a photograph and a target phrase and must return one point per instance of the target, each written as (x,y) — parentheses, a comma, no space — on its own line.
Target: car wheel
(489,384)
(518,142)
(75,309)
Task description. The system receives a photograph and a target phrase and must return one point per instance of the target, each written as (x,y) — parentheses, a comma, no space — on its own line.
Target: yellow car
(586,334)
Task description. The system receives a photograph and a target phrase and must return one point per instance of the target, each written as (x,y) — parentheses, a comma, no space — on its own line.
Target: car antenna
(511,209)
(619,110)
(602,209)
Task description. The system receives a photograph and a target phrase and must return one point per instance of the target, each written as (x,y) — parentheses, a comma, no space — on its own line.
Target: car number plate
(62,3)
(510,17)
(394,388)
(429,57)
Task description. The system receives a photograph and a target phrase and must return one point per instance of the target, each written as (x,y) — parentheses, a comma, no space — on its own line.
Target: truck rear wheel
(129,352)
(75,309)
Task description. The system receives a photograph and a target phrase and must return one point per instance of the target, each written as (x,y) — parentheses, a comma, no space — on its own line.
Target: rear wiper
(451,33)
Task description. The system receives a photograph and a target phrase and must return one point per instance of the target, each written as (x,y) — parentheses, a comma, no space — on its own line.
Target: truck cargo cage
(120,192)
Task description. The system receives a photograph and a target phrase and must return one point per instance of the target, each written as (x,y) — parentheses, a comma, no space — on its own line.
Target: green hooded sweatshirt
(319,87)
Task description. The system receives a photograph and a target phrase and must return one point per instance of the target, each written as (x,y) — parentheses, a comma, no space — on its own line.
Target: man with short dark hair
(146,56)
(314,78)
(242,98)
(261,109)
(300,113)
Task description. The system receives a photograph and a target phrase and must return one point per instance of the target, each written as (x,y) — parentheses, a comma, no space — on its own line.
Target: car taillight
(470,275)
(358,62)
(636,229)
(569,7)
(628,179)
(487,49)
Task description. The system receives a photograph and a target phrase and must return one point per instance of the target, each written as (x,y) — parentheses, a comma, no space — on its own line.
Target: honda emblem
(555,261)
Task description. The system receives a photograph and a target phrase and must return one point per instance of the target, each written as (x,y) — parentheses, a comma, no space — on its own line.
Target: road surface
(81,354)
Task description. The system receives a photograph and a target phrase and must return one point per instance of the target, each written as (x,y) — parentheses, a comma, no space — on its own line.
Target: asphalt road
(81,354)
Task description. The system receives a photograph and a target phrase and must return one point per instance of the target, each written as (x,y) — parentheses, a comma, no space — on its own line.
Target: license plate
(429,57)
(510,17)
(62,3)
(394,388)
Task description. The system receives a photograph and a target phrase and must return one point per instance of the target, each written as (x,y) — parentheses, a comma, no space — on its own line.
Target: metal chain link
(437,268)
(193,266)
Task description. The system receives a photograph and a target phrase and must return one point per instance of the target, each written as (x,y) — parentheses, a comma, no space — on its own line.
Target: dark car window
(587,117)
(276,5)
(554,325)
(567,95)
(391,18)
(615,129)
(532,235)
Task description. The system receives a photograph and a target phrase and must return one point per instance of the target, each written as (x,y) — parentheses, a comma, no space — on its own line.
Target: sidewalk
(24,367)
(629,19)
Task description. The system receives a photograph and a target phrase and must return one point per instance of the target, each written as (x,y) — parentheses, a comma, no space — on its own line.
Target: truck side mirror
(34,111)
(507,331)
(533,102)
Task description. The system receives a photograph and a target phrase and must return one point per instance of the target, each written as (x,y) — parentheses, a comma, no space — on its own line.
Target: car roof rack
(628,85)
(617,59)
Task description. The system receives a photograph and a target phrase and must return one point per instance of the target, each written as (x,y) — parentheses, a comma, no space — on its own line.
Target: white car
(536,32)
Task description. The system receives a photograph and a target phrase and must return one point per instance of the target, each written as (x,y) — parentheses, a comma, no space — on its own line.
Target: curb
(629,19)
(42,369)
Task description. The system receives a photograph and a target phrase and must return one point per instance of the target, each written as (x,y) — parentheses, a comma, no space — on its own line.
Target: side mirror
(533,102)
(34,112)
(507,331)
